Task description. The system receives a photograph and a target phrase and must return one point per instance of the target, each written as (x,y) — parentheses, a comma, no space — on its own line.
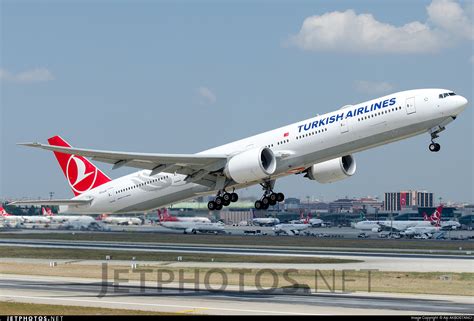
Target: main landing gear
(222,199)
(269,198)
(435,147)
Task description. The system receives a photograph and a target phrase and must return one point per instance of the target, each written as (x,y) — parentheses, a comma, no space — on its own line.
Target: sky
(185,76)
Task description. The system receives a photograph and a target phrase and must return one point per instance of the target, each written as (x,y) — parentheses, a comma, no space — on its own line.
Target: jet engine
(189,230)
(251,165)
(332,170)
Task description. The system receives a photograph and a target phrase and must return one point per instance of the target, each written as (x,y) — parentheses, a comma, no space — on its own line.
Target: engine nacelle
(251,165)
(189,230)
(332,170)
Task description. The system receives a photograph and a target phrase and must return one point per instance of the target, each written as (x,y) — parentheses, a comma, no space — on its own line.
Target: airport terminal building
(396,202)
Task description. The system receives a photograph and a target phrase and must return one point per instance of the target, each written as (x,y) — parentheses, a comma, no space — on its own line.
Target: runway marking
(152,304)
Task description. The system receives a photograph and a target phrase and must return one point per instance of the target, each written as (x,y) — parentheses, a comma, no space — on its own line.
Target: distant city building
(342,205)
(395,202)
(368,205)
(292,203)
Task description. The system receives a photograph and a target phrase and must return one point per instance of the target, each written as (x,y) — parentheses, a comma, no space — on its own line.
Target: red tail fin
(46,211)
(436,216)
(3,212)
(81,174)
(306,220)
(425,217)
(164,216)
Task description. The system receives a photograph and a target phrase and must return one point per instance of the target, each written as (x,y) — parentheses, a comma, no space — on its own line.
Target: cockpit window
(443,95)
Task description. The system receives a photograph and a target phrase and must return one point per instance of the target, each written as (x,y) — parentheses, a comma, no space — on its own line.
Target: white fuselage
(290,229)
(403,225)
(193,219)
(36,219)
(192,227)
(348,130)
(265,221)
(122,220)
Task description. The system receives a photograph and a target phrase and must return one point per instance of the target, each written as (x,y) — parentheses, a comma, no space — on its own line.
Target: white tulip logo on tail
(80,174)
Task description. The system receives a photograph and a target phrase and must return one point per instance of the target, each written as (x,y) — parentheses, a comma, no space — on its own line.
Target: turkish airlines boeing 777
(321,148)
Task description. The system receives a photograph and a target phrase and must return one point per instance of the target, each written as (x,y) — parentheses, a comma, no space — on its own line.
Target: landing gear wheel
(280,197)
(219,200)
(273,198)
(226,197)
(265,201)
(266,206)
(434,147)
(234,197)
(226,203)
(211,205)
(218,207)
(272,203)
(258,205)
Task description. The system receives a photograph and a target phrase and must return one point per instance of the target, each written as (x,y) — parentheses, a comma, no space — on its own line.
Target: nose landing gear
(435,147)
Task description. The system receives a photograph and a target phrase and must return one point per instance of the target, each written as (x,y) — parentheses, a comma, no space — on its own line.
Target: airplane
(421,231)
(9,218)
(397,225)
(320,148)
(436,218)
(71,222)
(314,222)
(120,220)
(164,215)
(365,225)
(265,221)
(192,227)
(57,218)
(402,225)
(23,219)
(291,229)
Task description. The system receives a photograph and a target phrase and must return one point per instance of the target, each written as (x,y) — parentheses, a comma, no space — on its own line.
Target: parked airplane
(396,225)
(58,218)
(291,229)
(189,227)
(265,221)
(11,220)
(314,222)
(321,148)
(365,225)
(423,231)
(164,216)
(436,219)
(120,220)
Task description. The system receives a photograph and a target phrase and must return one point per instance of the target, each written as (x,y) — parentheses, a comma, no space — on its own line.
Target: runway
(237,250)
(74,291)
(381,261)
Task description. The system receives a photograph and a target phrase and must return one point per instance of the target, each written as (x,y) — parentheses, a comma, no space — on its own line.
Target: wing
(51,202)
(197,167)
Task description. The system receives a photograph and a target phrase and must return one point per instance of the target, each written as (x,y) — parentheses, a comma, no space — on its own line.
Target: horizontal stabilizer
(51,202)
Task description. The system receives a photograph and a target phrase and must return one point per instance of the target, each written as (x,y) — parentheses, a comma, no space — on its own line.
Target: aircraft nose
(461,104)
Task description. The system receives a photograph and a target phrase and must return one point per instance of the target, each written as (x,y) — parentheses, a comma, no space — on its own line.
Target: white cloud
(372,87)
(206,95)
(449,16)
(362,33)
(27,77)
